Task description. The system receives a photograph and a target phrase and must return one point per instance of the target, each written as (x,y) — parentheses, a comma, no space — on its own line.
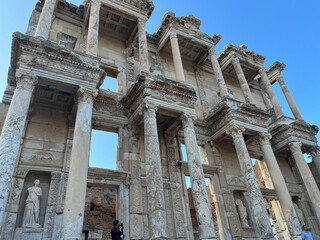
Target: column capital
(314,151)
(187,120)
(86,95)
(173,34)
(295,147)
(26,80)
(150,109)
(142,20)
(264,138)
(262,71)
(212,51)
(280,79)
(235,61)
(235,131)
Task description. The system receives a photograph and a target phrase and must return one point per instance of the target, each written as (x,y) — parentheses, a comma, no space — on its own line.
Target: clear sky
(287,31)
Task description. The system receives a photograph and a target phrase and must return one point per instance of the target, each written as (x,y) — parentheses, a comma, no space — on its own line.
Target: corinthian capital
(150,109)
(173,34)
(264,138)
(315,151)
(235,61)
(187,120)
(212,51)
(87,95)
(26,80)
(235,131)
(295,147)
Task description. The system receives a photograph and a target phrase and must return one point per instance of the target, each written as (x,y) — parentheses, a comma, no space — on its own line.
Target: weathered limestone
(12,131)
(306,176)
(93,30)
(261,218)
(268,87)
(218,73)
(280,186)
(156,203)
(315,154)
(242,80)
(79,163)
(289,97)
(143,46)
(176,57)
(44,23)
(198,184)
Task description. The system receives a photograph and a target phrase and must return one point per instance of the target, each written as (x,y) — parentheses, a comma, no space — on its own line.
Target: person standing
(306,234)
(117,231)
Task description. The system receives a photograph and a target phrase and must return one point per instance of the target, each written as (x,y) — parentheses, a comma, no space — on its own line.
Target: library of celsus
(204,151)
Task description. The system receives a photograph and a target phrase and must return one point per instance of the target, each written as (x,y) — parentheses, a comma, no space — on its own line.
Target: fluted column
(12,131)
(198,184)
(143,45)
(315,154)
(176,57)
(260,214)
(272,95)
(218,73)
(45,20)
(306,175)
(242,80)
(77,181)
(156,203)
(93,29)
(280,186)
(289,98)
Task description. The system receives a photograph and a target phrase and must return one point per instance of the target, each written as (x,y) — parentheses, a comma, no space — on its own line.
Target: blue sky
(285,31)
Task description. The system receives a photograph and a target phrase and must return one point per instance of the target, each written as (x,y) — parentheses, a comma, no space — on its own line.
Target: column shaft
(306,176)
(280,186)
(261,218)
(77,180)
(11,134)
(315,153)
(93,30)
(198,184)
(156,203)
(218,73)
(44,24)
(243,81)
(289,98)
(177,57)
(143,46)
(273,98)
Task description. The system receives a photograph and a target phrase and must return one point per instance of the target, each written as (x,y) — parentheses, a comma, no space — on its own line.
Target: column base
(206,232)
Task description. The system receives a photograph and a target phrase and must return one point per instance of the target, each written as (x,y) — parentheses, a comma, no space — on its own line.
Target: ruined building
(173,91)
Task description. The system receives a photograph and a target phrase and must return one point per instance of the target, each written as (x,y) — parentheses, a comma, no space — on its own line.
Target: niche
(238,195)
(44,178)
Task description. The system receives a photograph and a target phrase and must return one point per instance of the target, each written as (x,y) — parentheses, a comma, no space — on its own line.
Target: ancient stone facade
(173,89)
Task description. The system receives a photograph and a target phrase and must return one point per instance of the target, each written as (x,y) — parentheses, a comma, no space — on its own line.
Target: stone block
(28,234)
(136,226)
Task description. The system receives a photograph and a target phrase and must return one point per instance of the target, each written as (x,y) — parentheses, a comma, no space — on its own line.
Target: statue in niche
(242,213)
(299,214)
(32,208)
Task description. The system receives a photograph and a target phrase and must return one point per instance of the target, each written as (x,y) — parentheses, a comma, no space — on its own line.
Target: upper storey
(115,32)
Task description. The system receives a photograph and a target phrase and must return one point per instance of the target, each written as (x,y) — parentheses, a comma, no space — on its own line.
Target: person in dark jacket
(117,231)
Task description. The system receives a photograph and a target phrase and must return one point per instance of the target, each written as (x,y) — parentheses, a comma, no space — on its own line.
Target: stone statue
(299,214)
(242,213)
(32,208)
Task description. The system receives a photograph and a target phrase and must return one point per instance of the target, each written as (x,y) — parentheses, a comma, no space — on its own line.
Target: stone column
(156,203)
(143,46)
(260,214)
(273,98)
(289,98)
(306,176)
(79,163)
(44,23)
(242,80)
(176,57)
(198,184)
(12,131)
(93,30)
(218,73)
(315,154)
(280,186)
